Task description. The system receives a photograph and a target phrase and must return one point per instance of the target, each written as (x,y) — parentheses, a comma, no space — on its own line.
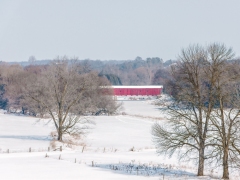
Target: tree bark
(60,134)
(201,160)
(225,165)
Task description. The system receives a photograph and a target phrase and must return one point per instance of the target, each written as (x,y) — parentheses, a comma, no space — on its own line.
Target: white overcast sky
(114,29)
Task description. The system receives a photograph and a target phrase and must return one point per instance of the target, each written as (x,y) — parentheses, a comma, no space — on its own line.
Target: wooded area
(149,71)
(62,90)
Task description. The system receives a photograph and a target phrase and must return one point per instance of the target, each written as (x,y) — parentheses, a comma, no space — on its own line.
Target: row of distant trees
(204,117)
(125,72)
(138,71)
(63,90)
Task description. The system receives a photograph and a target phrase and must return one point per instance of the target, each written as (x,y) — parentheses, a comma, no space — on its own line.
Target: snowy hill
(117,147)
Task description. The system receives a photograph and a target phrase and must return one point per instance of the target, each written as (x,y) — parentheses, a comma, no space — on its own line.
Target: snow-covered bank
(118,147)
(21,132)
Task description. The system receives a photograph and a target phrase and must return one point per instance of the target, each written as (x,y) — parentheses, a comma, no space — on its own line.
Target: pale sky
(114,29)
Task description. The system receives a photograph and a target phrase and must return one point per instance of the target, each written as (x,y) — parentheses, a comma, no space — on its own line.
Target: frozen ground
(144,108)
(118,147)
(21,132)
(121,132)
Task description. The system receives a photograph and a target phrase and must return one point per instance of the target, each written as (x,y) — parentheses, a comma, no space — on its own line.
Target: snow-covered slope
(118,147)
(21,132)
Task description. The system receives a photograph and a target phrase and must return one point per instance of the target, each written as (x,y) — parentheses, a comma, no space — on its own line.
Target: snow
(142,108)
(48,168)
(120,132)
(118,147)
(19,132)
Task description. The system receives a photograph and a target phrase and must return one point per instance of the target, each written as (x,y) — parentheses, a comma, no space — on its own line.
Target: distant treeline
(151,71)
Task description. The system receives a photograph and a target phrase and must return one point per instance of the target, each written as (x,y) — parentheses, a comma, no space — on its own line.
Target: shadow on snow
(39,138)
(146,169)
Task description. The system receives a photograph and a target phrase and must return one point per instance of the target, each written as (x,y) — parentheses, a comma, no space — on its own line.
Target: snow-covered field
(117,147)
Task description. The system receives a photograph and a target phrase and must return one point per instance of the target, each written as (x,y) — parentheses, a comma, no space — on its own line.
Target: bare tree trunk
(225,139)
(201,160)
(60,134)
(225,164)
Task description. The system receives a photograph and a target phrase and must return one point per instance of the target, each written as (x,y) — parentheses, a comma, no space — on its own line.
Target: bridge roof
(136,87)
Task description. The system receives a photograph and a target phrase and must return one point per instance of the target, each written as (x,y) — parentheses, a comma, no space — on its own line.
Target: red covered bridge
(137,90)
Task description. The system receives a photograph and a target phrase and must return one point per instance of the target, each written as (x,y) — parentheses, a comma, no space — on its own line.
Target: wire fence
(30,150)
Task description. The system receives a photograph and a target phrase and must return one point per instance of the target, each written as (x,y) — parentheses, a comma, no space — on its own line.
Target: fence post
(60,157)
(92,163)
(30,149)
(83,149)
(48,149)
(60,148)
(8,151)
(75,160)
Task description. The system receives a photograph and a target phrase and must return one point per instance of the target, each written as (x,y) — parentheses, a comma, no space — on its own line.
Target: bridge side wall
(137,91)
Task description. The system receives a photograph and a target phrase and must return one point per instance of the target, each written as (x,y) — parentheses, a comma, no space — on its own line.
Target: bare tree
(31,59)
(64,91)
(195,77)
(225,120)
